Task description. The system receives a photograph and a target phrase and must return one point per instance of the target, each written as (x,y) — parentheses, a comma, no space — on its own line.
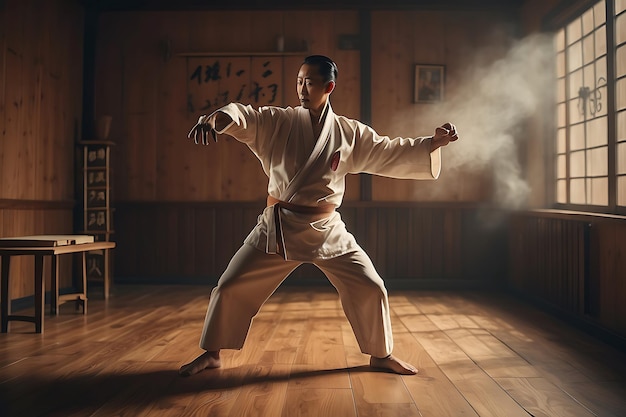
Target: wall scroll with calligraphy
(216,81)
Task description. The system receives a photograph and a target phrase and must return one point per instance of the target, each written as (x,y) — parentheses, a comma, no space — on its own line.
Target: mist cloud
(489,107)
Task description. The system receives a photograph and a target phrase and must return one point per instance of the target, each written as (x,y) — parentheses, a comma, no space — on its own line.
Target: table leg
(6,300)
(107,275)
(54,287)
(39,293)
(84,289)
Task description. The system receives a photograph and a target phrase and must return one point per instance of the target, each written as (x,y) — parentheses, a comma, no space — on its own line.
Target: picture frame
(429,83)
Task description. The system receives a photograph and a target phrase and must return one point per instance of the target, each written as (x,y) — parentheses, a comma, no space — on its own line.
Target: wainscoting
(551,260)
(574,264)
(412,245)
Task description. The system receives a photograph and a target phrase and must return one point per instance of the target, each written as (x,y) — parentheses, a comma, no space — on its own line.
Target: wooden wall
(147,87)
(166,187)
(401,39)
(572,263)
(40,112)
(412,246)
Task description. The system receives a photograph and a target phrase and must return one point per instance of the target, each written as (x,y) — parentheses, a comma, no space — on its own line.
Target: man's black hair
(328,69)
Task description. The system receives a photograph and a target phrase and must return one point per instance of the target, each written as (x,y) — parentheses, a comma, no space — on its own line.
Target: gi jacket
(310,171)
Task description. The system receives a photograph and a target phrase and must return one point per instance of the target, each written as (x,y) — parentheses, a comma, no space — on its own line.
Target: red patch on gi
(334,162)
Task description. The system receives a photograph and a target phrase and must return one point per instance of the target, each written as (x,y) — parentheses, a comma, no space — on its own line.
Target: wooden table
(48,245)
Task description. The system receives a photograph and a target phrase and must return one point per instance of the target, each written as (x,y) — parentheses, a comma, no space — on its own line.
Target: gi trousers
(252,276)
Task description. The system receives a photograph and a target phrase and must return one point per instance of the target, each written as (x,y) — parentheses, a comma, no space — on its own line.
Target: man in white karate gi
(306,152)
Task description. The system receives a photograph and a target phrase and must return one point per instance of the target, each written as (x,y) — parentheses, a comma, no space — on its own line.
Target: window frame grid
(611,115)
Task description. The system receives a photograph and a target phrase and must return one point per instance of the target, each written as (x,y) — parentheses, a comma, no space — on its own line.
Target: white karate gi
(310,171)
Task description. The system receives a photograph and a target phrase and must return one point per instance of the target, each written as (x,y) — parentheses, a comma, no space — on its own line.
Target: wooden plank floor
(479,355)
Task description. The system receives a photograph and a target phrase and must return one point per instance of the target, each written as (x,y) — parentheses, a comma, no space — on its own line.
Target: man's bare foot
(393,364)
(205,361)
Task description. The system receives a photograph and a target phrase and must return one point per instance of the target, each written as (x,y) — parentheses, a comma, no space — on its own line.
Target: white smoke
(489,107)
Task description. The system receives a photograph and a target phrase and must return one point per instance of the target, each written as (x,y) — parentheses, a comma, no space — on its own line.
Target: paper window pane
(589,49)
(621,158)
(599,191)
(594,97)
(621,126)
(597,162)
(589,75)
(599,13)
(577,191)
(620,61)
(588,21)
(577,164)
(601,103)
(600,41)
(577,137)
(575,56)
(560,141)
(575,81)
(601,71)
(561,191)
(560,64)
(620,6)
(576,111)
(597,132)
(620,94)
(560,90)
(559,40)
(561,168)
(560,115)
(572,31)
(620,29)
(621,191)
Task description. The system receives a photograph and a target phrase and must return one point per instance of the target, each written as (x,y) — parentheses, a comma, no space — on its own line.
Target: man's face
(312,90)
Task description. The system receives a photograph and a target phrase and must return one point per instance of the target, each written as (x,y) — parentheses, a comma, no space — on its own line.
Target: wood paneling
(572,263)
(410,245)
(40,109)
(178,193)
(147,87)
(549,260)
(608,268)
(41,98)
(451,38)
(149,95)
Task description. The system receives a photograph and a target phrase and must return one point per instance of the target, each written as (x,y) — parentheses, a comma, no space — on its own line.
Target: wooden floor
(479,355)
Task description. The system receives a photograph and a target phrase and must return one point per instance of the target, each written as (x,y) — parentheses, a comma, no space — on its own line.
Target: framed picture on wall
(429,83)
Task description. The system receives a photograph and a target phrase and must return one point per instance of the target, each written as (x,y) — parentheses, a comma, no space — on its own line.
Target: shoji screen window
(582,176)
